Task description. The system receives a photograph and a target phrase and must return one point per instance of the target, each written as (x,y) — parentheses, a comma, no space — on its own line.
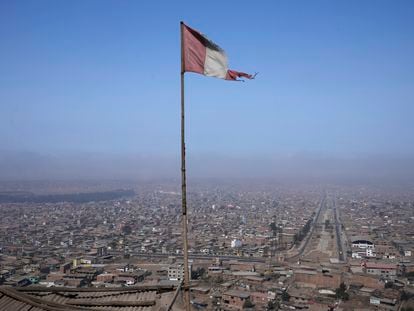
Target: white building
(236,243)
(362,247)
(176,272)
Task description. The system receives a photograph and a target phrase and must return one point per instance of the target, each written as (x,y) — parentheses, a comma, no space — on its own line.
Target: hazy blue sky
(335,77)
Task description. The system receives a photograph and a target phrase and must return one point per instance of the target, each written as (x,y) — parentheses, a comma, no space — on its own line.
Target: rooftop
(142,298)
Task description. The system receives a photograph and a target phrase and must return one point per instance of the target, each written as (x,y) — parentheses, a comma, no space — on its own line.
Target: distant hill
(28,197)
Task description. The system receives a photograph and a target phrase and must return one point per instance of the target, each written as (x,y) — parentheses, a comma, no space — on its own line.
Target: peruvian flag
(201,55)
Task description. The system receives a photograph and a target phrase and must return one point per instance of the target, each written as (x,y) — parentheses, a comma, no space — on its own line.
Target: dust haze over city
(296,188)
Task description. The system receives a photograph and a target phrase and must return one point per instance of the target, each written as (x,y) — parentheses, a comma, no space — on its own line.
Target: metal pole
(169,308)
(183,183)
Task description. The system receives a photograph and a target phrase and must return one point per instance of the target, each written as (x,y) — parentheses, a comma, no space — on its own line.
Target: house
(387,299)
(215,270)
(259,299)
(254,280)
(234,299)
(127,280)
(386,252)
(64,268)
(105,277)
(388,271)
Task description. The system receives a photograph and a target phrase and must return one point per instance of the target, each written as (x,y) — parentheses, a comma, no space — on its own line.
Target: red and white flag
(203,56)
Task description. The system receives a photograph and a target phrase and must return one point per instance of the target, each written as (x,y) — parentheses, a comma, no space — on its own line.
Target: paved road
(303,246)
(338,229)
(202,256)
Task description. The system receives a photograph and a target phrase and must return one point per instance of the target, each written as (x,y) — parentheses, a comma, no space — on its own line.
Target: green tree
(248,304)
(197,274)
(113,244)
(272,305)
(285,296)
(341,293)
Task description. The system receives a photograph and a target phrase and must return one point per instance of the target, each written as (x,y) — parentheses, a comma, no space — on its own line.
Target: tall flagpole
(184,184)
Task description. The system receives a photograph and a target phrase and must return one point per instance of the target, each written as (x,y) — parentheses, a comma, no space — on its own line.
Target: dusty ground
(323,244)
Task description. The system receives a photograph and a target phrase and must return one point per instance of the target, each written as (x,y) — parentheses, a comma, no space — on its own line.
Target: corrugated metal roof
(123,309)
(55,300)
(8,303)
(64,298)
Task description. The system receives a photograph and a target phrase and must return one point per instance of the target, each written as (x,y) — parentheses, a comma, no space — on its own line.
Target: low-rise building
(388,271)
(235,299)
(176,272)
